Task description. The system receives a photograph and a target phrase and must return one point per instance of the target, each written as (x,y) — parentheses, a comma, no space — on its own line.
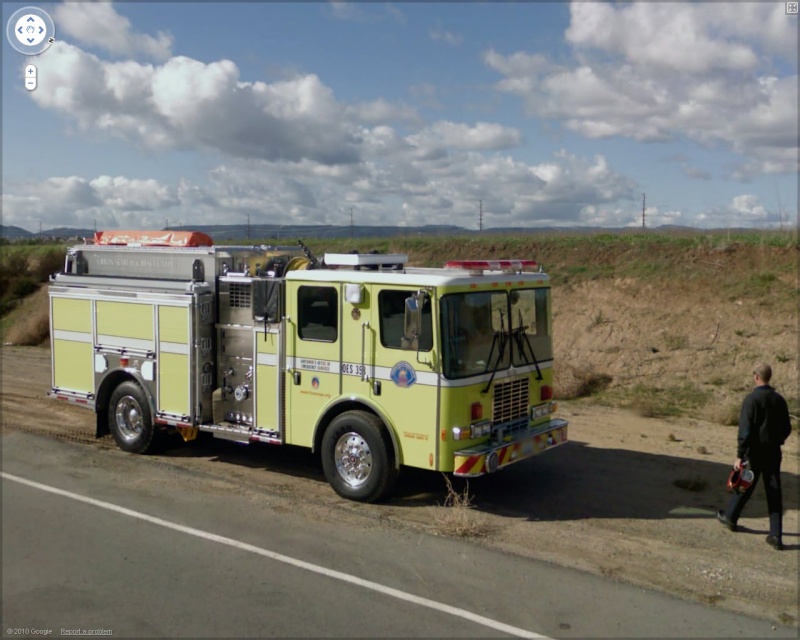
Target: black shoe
(724,520)
(775,543)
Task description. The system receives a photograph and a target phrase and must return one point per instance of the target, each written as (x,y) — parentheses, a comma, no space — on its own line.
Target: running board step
(228,432)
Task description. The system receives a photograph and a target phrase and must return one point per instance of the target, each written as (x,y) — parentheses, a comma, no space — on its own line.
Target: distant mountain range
(288,232)
(257,231)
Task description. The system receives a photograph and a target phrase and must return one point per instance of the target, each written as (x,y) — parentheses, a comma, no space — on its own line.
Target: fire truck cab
(367,361)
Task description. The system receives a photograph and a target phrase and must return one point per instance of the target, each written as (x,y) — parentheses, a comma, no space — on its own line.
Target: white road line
(278,557)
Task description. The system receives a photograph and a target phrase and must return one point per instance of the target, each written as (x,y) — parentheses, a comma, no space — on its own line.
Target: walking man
(764,426)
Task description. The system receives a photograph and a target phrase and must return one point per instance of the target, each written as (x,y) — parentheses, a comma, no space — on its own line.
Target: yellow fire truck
(367,361)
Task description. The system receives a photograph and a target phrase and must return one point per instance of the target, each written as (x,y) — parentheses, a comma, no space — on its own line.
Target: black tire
(357,457)
(131,421)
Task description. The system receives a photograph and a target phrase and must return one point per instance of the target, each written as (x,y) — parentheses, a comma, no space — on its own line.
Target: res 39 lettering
(353,369)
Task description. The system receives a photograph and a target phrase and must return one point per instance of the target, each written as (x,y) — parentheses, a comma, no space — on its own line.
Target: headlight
(481,429)
(477,430)
(543,410)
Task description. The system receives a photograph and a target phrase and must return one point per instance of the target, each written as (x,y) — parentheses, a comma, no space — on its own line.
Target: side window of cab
(391,307)
(318,313)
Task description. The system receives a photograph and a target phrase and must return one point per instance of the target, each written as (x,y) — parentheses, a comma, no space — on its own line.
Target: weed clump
(457,515)
(570,382)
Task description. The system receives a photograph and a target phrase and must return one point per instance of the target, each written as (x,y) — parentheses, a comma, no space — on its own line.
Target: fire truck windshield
(491,330)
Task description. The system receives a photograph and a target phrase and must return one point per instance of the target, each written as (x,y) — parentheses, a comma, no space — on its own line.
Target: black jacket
(764,426)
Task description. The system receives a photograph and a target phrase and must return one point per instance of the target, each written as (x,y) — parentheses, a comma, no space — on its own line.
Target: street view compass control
(30,30)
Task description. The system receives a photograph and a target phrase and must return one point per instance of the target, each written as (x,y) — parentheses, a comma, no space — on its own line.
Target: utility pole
(643,215)
(248,226)
(351,223)
(480,216)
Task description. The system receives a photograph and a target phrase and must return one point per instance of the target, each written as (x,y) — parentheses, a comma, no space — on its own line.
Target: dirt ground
(630,498)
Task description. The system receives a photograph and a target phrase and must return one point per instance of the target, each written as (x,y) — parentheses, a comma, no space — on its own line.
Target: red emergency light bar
(153,238)
(496,265)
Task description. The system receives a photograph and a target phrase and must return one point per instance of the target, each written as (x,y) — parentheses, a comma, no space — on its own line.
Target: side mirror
(412,321)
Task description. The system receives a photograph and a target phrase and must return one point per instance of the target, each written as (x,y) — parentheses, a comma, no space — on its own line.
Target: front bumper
(489,457)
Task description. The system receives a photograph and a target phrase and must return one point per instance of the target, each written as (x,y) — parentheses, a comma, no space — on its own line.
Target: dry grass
(786,618)
(570,382)
(457,516)
(30,322)
(724,412)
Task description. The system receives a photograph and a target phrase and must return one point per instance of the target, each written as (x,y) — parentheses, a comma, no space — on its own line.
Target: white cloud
(658,35)
(452,135)
(365,12)
(448,37)
(381,111)
(74,201)
(394,187)
(688,169)
(346,10)
(185,104)
(97,24)
(426,95)
(124,194)
(749,207)
(396,190)
(663,71)
(744,210)
(395,13)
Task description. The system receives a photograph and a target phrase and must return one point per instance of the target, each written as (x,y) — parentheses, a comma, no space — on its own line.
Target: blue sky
(407,113)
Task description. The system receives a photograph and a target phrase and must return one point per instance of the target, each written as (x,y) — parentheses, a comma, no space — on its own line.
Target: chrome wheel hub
(128,417)
(353,459)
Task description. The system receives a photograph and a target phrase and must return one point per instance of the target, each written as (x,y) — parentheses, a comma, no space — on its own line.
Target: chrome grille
(240,295)
(511,400)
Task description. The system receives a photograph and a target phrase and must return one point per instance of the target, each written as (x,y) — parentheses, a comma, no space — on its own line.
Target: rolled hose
(298,263)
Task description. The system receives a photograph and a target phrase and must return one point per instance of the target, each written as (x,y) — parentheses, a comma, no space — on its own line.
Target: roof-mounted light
(162,238)
(492,265)
(365,259)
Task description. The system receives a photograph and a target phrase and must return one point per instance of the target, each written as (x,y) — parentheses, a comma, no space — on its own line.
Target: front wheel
(130,419)
(357,457)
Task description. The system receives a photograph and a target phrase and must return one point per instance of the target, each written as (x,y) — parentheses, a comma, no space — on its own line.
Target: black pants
(772,485)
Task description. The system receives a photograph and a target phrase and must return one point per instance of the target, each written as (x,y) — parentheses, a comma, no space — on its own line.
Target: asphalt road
(166,552)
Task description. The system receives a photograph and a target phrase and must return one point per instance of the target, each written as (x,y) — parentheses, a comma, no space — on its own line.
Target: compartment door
(173,357)
(313,353)
(71,337)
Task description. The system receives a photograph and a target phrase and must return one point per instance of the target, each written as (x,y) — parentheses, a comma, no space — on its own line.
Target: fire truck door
(403,381)
(313,350)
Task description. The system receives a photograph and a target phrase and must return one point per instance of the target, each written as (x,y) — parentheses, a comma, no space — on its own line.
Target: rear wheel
(357,457)
(130,419)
